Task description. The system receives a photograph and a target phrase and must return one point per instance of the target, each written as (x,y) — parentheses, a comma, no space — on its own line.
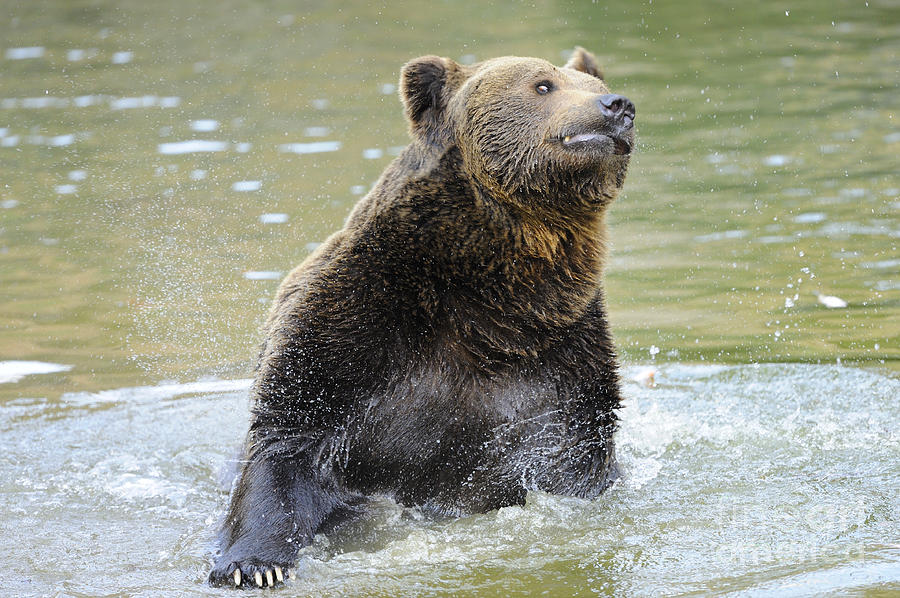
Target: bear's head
(527,131)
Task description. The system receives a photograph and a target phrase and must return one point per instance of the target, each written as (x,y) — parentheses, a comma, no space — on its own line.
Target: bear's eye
(543,87)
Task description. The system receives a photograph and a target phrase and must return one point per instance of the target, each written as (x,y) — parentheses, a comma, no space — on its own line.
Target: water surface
(164,164)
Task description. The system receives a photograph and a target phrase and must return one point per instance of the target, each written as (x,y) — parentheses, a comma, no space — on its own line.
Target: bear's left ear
(426,85)
(584,61)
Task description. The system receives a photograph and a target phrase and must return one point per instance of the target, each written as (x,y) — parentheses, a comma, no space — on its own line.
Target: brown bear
(449,346)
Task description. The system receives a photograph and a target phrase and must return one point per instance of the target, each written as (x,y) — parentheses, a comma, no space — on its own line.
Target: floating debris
(646,377)
(830,301)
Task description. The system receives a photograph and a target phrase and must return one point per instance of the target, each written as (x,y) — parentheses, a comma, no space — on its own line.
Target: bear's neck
(542,267)
(551,263)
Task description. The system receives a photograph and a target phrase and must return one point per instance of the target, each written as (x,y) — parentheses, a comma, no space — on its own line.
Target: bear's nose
(618,107)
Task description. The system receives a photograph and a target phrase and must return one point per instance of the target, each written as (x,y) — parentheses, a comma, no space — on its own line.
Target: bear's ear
(584,61)
(426,84)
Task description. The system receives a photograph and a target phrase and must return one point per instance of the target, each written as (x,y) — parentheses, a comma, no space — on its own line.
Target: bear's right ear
(584,61)
(426,84)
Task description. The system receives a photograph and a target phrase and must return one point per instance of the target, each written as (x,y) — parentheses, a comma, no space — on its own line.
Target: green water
(766,171)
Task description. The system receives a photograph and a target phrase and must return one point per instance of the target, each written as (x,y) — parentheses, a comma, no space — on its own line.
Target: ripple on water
(735,478)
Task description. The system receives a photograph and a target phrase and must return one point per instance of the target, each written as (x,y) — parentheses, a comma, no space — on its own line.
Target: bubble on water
(204,125)
(388,88)
(198,174)
(892,138)
(358,189)
(243,147)
(75,55)
(66,189)
(24,53)
(245,186)
(9,141)
(372,153)
(316,131)
(77,175)
(9,203)
(319,104)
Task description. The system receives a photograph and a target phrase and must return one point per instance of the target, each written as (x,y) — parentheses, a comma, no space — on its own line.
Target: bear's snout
(618,108)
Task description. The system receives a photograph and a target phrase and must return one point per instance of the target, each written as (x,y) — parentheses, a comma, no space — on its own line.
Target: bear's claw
(251,575)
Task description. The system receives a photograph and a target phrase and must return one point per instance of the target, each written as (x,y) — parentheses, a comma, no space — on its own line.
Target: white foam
(372,153)
(276,218)
(192,146)
(155,393)
(13,371)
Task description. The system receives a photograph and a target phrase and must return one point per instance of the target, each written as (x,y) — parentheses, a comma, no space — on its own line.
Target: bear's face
(527,130)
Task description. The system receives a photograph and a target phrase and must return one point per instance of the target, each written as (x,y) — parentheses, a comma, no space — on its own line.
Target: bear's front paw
(249,574)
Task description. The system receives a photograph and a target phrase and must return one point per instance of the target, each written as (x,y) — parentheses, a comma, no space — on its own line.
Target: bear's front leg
(276,509)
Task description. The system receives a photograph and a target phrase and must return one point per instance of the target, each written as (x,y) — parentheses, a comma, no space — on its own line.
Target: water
(738,478)
(164,163)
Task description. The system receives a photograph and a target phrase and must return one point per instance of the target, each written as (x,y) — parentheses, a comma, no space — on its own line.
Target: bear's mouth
(593,140)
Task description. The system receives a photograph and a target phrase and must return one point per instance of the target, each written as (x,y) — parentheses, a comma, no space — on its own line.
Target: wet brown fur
(449,345)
